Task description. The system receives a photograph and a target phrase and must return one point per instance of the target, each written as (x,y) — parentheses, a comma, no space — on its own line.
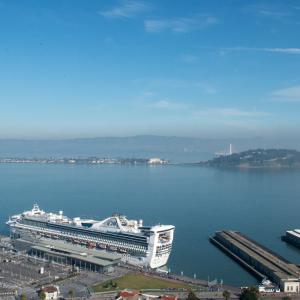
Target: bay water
(197,200)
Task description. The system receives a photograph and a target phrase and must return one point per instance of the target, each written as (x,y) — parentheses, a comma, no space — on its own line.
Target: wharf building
(259,260)
(67,254)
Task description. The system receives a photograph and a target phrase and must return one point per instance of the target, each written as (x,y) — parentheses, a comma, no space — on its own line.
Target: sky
(203,68)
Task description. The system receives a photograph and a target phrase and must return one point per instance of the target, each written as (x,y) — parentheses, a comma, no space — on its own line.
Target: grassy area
(138,282)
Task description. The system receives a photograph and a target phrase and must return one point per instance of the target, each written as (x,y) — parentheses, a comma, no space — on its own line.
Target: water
(198,201)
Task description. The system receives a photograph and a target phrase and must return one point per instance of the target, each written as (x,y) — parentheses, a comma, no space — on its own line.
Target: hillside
(258,158)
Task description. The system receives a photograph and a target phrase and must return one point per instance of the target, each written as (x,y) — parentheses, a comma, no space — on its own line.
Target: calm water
(196,200)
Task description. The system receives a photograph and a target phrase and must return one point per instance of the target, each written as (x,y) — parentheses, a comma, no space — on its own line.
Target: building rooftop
(58,251)
(49,289)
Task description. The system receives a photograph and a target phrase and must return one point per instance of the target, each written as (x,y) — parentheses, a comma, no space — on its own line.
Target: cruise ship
(146,246)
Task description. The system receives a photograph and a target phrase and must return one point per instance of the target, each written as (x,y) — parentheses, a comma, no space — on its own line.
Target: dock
(257,259)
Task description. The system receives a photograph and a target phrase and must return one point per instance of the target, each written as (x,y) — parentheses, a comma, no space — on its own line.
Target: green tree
(249,294)
(42,295)
(226,294)
(23,297)
(192,296)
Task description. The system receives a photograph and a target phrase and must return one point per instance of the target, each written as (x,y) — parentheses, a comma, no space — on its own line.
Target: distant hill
(258,158)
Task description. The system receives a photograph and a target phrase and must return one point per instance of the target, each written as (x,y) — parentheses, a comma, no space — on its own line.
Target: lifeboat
(122,250)
(113,248)
(101,246)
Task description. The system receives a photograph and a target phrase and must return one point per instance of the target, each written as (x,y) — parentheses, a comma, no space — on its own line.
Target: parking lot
(22,273)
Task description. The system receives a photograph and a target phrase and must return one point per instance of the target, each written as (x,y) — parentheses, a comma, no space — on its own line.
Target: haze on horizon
(216,69)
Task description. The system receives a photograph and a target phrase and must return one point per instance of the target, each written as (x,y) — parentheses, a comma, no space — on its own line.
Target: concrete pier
(259,260)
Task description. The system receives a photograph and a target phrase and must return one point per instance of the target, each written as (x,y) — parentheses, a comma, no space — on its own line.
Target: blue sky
(214,68)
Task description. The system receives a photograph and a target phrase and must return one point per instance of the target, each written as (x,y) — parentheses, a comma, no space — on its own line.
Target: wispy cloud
(168,105)
(224,50)
(147,94)
(190,59)
(180,25)
(284,50)
(290,94)
(273,11)
(206,88)
(126,9)
(230,112)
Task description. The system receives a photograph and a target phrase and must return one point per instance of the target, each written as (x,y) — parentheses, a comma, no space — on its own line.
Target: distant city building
(156,161)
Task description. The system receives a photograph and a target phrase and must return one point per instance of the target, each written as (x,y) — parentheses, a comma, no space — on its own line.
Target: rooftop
(49,289)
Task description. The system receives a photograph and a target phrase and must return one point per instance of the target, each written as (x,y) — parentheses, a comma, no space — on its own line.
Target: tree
(249,294)
(71,293)
(23,297)
(42,295)
(192,296)
(226,294)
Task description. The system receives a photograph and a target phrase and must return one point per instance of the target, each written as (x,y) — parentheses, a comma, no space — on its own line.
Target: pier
(259,260)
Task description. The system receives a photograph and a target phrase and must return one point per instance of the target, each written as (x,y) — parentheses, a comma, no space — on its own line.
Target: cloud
(190,59)
(230,112)
(284,50)
(296,51)
(147,93)
(180,25)
(126,9)
(272,13)
(166,104)
(206,88)
(290,94)
(278,12)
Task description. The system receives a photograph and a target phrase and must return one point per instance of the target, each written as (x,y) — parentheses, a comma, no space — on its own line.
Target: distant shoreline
(85,161)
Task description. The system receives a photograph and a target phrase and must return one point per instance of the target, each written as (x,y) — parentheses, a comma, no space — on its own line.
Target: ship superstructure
(148,246)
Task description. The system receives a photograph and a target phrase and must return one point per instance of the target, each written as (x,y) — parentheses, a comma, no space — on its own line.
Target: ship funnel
(140,223)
